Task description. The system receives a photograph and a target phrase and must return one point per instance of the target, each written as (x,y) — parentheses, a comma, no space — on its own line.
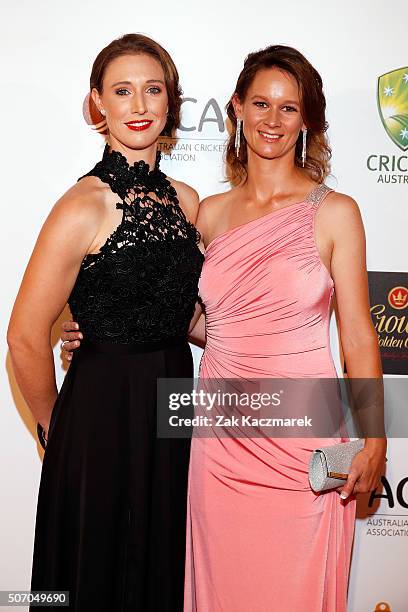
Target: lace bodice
(142,284)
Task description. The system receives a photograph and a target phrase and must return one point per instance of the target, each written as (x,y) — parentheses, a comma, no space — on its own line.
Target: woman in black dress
(110,525)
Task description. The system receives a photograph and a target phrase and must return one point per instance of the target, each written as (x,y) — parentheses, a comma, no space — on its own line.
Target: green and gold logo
(392,97)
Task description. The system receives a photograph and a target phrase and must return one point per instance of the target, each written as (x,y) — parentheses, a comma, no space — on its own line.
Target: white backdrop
(47,49)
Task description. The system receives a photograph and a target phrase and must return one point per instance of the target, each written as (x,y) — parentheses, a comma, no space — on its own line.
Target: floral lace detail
(142,284)
(151,209)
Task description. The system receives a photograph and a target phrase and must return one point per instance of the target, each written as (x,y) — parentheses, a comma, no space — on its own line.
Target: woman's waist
(263,344)
(146,329)
(266,361)
(112,346)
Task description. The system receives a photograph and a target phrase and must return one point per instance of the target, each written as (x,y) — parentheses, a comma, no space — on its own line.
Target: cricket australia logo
(392,98)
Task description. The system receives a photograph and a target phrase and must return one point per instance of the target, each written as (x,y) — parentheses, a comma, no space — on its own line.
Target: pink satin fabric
(258,538)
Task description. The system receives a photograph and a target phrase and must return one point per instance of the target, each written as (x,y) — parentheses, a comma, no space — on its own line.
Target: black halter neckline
(122,177)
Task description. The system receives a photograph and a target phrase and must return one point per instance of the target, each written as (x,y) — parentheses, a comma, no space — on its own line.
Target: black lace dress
(111,512)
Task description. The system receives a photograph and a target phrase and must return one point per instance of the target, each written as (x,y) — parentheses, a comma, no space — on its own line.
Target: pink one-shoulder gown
(258,538)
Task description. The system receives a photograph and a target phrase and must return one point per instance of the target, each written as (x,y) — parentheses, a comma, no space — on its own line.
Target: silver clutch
(329,466)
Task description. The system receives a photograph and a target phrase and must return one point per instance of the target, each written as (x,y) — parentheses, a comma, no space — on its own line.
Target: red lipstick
(139,126)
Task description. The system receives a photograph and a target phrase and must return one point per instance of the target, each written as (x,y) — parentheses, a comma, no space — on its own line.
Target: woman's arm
(357,333)
(196,331)
(45,288)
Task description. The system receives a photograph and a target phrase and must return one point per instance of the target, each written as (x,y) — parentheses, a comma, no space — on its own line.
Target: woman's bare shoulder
(213,209)
(339,207)
(339,214)
(188,199)
(217,199)
(87,198)
(214,204)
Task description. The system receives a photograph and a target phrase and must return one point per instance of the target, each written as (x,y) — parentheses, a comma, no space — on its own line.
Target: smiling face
(271,114)
(134,98)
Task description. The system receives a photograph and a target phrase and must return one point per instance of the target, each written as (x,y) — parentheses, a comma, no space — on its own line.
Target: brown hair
(312,105)
(139,44)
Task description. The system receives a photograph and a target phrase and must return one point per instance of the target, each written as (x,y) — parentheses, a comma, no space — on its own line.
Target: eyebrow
(285,101)
(129,83)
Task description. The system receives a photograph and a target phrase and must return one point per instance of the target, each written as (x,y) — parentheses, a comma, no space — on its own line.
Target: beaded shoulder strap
(318,194)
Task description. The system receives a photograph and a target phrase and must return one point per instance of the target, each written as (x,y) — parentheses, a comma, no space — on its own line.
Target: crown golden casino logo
(392,98)
(398,297)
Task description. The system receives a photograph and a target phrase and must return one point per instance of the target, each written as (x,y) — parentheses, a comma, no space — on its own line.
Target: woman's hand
(71,338)
(366,469)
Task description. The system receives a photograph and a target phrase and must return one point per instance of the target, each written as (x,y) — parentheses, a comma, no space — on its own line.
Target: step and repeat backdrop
(48,140)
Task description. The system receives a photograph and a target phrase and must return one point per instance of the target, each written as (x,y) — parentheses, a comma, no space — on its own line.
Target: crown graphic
(398,297)
(392,99)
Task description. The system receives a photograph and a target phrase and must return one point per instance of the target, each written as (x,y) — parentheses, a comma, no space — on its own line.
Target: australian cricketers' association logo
(392,98)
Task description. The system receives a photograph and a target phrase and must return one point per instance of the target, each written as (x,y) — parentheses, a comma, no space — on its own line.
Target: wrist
(376,445)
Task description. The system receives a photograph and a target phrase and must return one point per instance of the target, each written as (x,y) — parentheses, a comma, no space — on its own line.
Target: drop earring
(238,137)
(304,147)
(103,112)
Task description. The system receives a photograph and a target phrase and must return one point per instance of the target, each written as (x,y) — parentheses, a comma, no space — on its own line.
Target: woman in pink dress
(278,245)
